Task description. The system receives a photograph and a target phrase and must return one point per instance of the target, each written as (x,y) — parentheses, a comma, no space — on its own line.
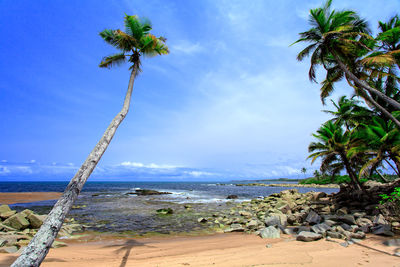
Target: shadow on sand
(127,247)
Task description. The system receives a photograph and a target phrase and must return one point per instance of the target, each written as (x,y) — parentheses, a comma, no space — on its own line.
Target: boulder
(342,211)
(317,195)
(276,220)
(363,222)
(147,192)
(379,219)
(358,235)
(17,221)
(26,212)
(4,208)
(2,242)
(313,218)
(382,229)
(232,197)
(320,228)
(334,234)
(252,224)
(270,232)
(7,214)
(35,220)
(58,244)
(6,228)
(308,236)
(349,219)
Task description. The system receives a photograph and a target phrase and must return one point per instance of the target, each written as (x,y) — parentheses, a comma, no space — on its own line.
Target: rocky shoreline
(18,228)
(293,185)
(310,216)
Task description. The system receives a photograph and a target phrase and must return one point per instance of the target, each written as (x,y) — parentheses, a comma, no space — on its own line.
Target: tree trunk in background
(364,85)
(386,113)
(353,176)
(36,251)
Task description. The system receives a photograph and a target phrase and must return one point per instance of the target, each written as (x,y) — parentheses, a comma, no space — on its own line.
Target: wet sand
(233,249)
(26,197)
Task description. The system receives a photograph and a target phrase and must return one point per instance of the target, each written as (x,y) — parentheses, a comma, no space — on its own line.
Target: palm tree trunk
(36,251)
(353,177)
(387,114)
(364,85)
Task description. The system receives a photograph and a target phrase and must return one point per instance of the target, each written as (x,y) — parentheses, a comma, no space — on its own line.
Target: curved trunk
(394,169)
(353,176)
(36,251)
(364,85)
(379,107)
(394,159)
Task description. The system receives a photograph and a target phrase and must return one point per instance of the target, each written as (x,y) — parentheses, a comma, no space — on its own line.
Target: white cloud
(4,170)
(198,173)
(186,47)
(147,166)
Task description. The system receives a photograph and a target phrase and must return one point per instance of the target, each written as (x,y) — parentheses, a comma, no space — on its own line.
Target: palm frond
(113,60)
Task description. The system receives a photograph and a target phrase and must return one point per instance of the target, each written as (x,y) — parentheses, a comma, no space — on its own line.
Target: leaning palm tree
(332,147)
(135,42)
(335,36)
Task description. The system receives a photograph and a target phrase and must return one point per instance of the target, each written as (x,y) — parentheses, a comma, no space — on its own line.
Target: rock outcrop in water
(147,192)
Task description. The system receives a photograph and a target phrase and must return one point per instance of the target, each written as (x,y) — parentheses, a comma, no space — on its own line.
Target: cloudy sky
(229,102)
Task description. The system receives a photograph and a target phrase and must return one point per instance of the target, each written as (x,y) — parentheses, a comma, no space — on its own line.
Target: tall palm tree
(334,36)
(332,147)
(135,42)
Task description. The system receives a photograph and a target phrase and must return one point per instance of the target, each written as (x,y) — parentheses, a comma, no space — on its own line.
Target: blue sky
(229,102)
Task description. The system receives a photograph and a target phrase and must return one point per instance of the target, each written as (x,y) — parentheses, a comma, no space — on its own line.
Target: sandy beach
(233,249)
(26,197)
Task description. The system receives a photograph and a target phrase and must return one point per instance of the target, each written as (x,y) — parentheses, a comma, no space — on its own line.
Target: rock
(330,222)
(147,192)
(245,213)
(166,211)
(268,246)
(358,235)
(232,197)
(392,242)
(320,228)
(346,227)
(35,220)
(308,236)
(313,218)
(26,212)
(7,214)
(17,221)
(317,195)
(201,220)
(349,219)
(379,219)
(4,208)
(289,231)
(282,206)
(382,229)
(342,211)
(235,227)
(187,206)
(276,220)
(363,222)
(252,224)
(334,235)
(359,214)
(2,242)
(10,249)
(23,242)
(270,232)
(325,209)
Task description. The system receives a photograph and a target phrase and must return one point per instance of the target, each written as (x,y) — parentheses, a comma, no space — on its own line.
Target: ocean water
(107,206)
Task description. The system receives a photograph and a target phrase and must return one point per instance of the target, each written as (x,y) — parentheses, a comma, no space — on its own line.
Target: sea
(111,206)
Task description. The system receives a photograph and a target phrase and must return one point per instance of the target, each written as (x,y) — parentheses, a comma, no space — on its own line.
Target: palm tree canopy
(135,42)
(328,31)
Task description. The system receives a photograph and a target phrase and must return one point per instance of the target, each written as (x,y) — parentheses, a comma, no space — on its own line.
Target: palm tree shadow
(378,250)
(127,247)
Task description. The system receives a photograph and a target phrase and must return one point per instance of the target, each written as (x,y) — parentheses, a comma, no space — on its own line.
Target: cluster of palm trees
(362,135)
